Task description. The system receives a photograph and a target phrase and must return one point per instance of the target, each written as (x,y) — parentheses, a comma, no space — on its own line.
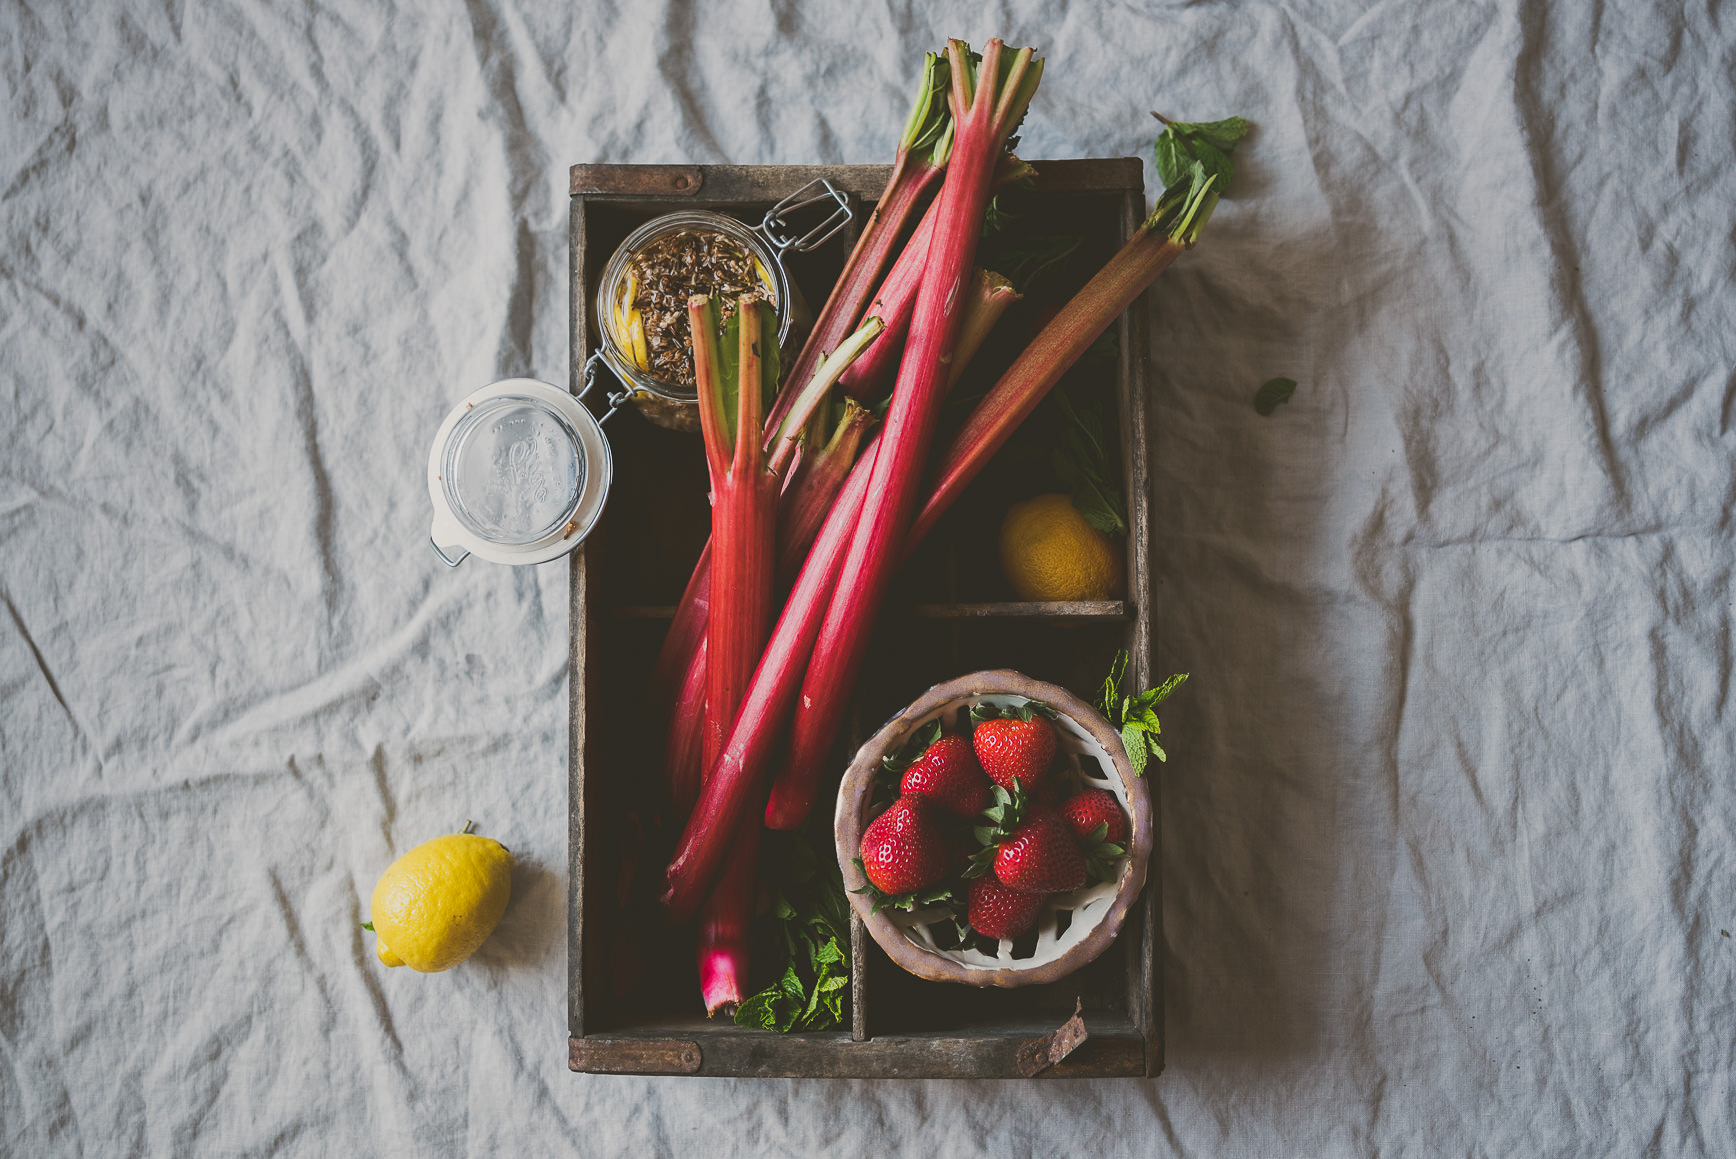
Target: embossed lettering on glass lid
(514,470)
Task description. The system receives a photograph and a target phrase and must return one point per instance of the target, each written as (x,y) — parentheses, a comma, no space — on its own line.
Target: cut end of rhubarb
(720,987)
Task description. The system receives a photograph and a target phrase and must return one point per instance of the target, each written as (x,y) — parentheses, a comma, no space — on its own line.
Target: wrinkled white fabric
(1448,819)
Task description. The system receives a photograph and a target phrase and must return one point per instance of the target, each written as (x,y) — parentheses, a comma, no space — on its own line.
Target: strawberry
(905,848)
(999,912)
(947,774)
(1085,811)
(1040,855)
(1010,747)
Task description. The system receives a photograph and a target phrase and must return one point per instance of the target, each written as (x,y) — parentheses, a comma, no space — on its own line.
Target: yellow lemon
(1049,552)
(437,904)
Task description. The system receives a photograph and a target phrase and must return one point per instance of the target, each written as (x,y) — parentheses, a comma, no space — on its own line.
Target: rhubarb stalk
(923,149)
(807,499)
(987,102)
(922,157)
(744,498)
(895,301)
(680,674)
(735,779)
(1173,227)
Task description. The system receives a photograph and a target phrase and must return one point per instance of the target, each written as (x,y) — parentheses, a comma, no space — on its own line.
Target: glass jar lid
(518,473)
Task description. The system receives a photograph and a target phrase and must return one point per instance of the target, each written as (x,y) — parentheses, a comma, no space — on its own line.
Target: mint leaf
(1272,392)
(1197,152)
(1227,131)
(1082,464)
(813,917)
(1133,740)
(369,926)
(1168,686)
(1173,161)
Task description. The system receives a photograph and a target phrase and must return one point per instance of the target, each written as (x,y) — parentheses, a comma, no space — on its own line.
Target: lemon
(437,904)
(1049,552)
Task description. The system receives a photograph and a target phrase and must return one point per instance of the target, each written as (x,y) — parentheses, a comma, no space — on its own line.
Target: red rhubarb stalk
(806,501)
(744,499)
(990,295)
(922,155)
(1173,227)
(819,476)
(734,781)
(895,301)
(982,120)
(683,755)
(682,648)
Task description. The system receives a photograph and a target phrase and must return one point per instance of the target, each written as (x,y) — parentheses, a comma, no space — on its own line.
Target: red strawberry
(1008,747)
(999,912)
(947,774)
(906,848)
(1094,807)
(1040,856)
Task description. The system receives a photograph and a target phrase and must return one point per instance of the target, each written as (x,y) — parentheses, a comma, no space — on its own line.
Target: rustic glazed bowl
(1073,928)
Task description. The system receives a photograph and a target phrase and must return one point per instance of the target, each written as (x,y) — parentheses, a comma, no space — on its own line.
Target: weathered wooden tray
(633,993)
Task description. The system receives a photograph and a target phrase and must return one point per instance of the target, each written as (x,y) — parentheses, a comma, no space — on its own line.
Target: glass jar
(518,474)
(669,403)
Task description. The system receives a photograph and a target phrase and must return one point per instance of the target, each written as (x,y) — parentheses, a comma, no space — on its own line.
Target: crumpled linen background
(1448,817)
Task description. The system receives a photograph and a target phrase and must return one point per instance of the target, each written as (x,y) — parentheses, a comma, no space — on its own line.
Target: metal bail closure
(816,192)
(518,474)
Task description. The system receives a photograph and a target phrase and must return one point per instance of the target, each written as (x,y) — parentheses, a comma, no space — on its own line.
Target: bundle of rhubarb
(801,497)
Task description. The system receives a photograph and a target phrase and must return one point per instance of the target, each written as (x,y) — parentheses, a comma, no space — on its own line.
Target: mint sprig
(1183,144)
(1193,162)
(813,918)
(1134,715)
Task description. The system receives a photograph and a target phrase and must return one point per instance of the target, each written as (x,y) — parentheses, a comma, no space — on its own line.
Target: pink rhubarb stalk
(986,107)
(895,301)
(923,149)
(922,157)
(814,487)
(744,503)
(1173,227)
(683,648)
(734,781)
(807,500)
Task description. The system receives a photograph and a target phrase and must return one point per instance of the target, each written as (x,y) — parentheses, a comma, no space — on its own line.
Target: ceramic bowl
(1073,928)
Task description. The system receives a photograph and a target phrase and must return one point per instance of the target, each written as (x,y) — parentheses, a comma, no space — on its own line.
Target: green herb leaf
(1193,161)
(1168,686)
(814,920)
(1082,464)
(1173,161)
(1227,131)
(369,926)
(1273,392)
(1135,716)
(1133,740)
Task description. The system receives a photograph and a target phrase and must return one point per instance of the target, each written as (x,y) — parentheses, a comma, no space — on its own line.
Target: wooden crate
(633,991)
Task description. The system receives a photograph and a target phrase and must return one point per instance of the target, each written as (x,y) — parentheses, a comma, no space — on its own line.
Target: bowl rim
(854,795)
